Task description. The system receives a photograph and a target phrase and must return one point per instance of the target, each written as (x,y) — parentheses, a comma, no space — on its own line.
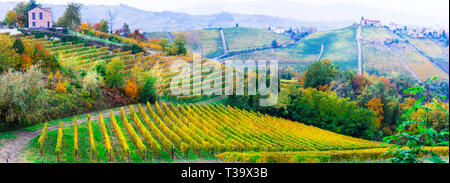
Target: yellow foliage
(132,89)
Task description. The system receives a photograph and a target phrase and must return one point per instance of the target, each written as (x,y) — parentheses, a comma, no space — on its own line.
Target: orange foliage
(61,87)
(325,88)
(26,61)
(132,89)
(376,106)
(359,82)
(386,82)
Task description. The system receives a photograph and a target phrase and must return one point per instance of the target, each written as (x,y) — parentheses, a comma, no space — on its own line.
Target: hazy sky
(429,8)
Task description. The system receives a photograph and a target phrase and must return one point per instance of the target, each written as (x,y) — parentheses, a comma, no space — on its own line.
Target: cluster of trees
(364,106)
(178,46)
(18,16)
(16,54)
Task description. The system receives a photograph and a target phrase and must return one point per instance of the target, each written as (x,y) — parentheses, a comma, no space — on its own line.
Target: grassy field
(242,38)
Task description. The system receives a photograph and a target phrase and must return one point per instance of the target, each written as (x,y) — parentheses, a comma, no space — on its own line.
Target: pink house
(40,18)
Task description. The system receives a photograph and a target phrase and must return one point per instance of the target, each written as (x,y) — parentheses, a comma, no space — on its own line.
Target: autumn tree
(8,57)
(132,89)
(376,106)
(11,18)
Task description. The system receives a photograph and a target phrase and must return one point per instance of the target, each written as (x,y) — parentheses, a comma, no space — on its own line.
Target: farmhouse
(40,18)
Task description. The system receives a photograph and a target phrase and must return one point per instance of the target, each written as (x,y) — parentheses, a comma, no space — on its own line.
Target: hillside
(407,56)
(168,132)
(243,38)
(209,42)
(339,46)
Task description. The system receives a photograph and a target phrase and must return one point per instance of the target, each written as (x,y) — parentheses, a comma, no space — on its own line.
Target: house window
(48,24)
(34,24)
(40,15)
(33,16)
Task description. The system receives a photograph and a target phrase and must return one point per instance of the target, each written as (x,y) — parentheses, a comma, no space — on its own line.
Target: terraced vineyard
(183,132)
(81,57)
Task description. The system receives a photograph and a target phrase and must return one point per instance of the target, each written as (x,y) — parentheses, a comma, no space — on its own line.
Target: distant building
(40,18)
(416,32)
(394,26)
(278,29)
(368,22)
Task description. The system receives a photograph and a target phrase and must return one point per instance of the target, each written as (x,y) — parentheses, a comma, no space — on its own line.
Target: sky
(430,8)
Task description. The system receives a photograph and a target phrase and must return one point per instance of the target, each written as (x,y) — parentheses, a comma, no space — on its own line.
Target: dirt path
(11,150)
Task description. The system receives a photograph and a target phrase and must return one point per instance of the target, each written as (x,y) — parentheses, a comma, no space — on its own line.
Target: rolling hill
(407,55)
(154,21)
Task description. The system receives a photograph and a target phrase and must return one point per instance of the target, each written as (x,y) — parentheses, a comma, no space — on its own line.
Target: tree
(164,43)
(21,11)
(103,27)
(8,57)
(114,76)
(11,18)
(178,46)
(148,88)
(415,131)
(18,46)
(72,15)
(376,106)
(274,43)
(319,73)
(132,89)
(126,29)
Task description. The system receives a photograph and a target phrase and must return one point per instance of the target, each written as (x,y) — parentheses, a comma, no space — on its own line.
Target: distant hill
(150,21)
(417,57)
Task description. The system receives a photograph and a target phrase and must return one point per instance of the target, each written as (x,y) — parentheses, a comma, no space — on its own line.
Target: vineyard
(80,57)
(182,132)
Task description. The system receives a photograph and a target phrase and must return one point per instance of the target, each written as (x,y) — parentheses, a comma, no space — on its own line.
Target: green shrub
(148,89)
(113,75)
